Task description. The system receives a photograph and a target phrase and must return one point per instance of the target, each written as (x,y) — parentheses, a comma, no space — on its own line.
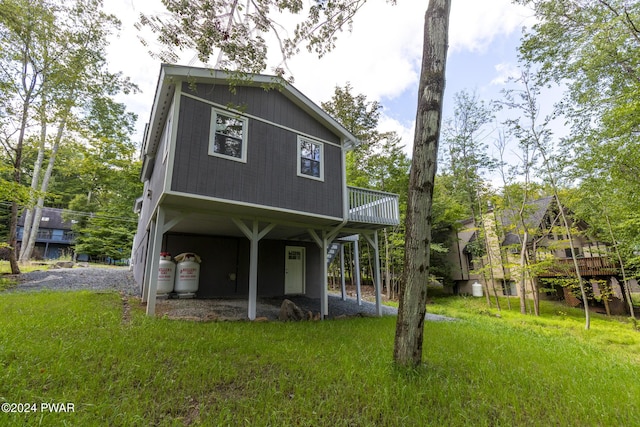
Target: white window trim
(212,135)
(321,144)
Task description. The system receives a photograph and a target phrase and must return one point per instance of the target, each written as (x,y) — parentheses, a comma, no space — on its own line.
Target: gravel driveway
(79,278)
(120,279)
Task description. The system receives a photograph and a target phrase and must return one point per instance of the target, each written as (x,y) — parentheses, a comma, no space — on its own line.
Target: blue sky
(471,71)
(380,58)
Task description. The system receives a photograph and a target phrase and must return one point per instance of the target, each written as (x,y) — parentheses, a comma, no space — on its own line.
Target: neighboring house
(55,237)
(251,180)
(500,258)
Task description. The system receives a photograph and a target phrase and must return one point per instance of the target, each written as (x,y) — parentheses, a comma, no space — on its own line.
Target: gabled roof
(170,75)
(534,213)
(51,218)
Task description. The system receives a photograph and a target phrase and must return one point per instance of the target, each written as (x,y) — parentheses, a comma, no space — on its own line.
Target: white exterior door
(294,261)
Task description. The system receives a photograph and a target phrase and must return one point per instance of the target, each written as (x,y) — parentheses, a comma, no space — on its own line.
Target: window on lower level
(310,159)
(228,136)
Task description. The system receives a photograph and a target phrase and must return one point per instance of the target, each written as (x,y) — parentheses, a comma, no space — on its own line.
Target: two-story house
(489,253)
(55,237)
(249,174)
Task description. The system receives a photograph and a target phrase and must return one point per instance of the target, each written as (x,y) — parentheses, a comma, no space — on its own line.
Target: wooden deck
(594,266)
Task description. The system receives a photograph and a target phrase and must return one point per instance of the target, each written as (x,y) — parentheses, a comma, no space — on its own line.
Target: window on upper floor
(228,136)
(310,159)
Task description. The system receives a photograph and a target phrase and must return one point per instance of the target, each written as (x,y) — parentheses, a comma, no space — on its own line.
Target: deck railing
(373,207)
(592,266)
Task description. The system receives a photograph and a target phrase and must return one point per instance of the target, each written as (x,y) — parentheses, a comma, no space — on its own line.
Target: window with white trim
(228,136)
(310,159)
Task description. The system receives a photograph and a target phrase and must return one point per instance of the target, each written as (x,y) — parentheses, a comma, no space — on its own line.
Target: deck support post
(155,248)
(254,235)
(342,279)
(323,243)
(373,241)
(147,262)
(356,258)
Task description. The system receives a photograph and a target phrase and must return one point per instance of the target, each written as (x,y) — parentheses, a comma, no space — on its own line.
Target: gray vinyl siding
(139,256)
(222,256)
(269,177)
(152,191)
(269,105)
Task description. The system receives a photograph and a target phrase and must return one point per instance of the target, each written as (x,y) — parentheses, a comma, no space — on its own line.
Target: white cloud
(475,24)
(404,130)
(380,58)
(505,72)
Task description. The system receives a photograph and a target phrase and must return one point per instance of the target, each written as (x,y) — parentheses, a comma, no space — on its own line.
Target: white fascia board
(155,124)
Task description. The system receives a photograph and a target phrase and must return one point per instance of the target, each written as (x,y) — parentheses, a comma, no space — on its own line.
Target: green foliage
(236,34)
(110,231)
(55,93)
(134,370)
(578,43)
(592,49)
(465,150)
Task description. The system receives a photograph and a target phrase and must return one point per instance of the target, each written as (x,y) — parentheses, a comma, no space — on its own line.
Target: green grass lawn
(120,368)
(7,281)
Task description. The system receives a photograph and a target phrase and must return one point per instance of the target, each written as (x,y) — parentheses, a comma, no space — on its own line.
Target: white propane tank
(166,274)
(188,275)
(476,290)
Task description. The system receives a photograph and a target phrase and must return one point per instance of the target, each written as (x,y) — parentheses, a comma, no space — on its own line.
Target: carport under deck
(367,212)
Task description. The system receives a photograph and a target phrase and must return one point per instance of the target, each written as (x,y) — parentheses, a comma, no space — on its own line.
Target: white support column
(147,262)
(254,235)
(324,296)
(376,270)
(253,273)
(154,227)
(155,261)
(344,289)
(356,258)
(324,302)
(378,275)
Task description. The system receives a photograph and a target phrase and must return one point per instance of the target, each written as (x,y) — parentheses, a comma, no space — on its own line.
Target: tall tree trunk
(533,280)
(28,252)
(625,282)
(348,271)
(485,281)
(413,293)
(523,260)
(13,239)
(35,180)
(487,246)
(583,293)
(499,238)
(29,87)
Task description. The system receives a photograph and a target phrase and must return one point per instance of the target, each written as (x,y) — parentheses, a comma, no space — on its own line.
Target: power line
(83,214)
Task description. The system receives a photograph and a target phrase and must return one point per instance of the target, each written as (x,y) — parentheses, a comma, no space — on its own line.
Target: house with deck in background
(249,174)
(496,264)
(55,237)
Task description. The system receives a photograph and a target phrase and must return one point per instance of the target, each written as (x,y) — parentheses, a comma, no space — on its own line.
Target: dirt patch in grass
(126,309)
(213,309)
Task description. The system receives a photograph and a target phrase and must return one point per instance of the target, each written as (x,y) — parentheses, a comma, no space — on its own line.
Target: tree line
(55,89)
(65,140)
